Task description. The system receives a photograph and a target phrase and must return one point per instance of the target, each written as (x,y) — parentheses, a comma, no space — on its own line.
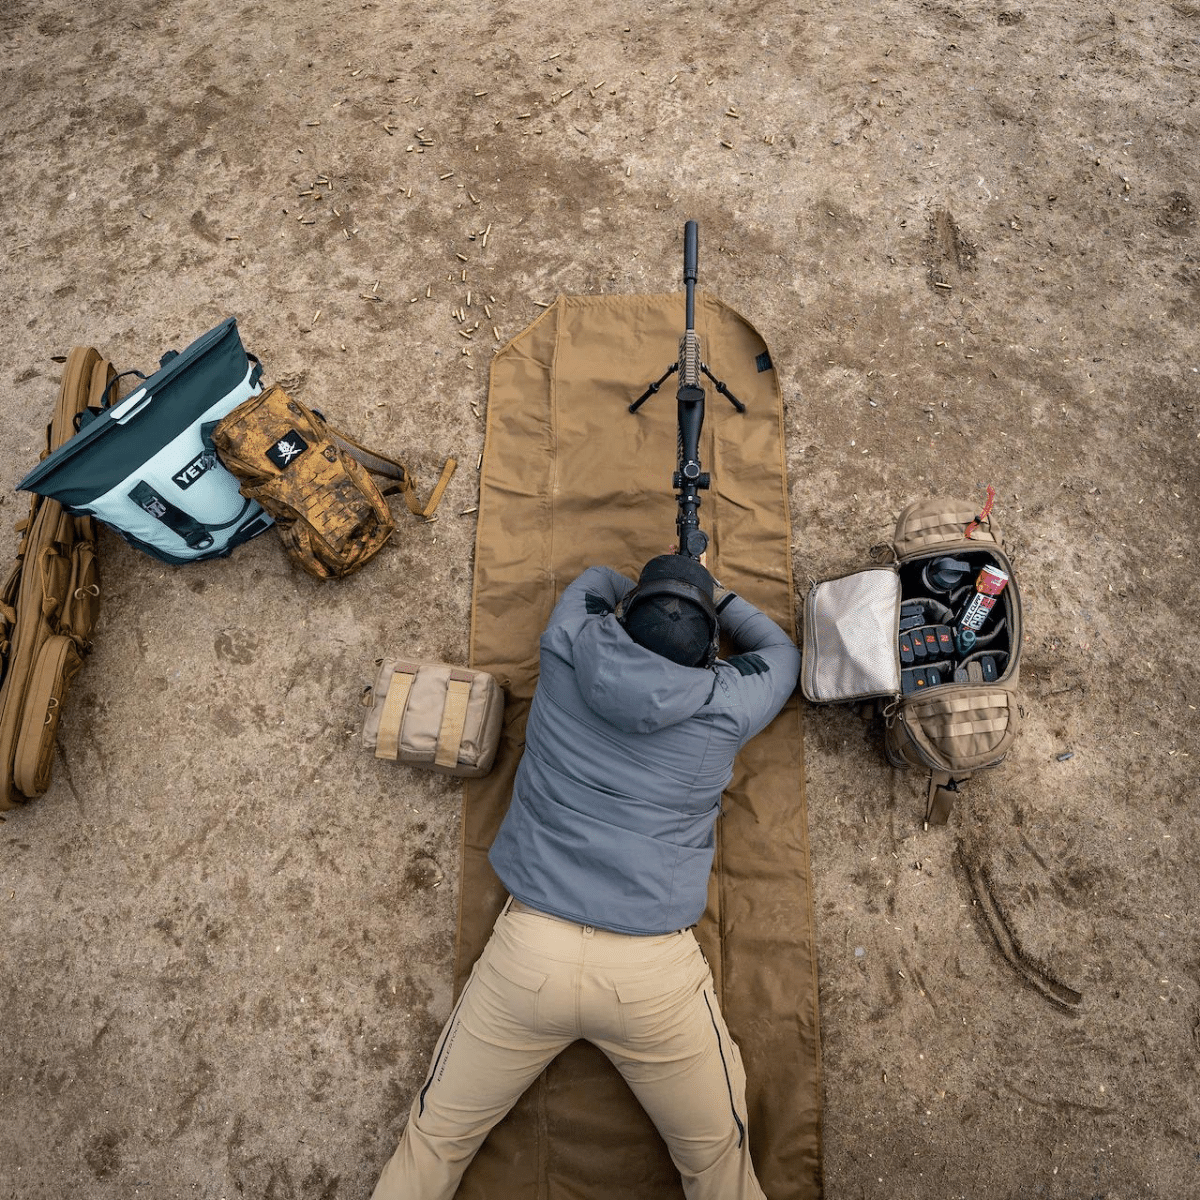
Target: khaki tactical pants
(542,983)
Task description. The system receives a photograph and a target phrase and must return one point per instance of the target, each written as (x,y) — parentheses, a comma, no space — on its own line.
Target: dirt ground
(967,233)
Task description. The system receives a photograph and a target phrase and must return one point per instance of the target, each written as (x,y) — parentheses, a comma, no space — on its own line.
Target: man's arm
(595,592)
(749,628)
(765,659)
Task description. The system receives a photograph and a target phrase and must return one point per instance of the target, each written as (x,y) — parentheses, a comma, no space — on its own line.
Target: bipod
(721,388)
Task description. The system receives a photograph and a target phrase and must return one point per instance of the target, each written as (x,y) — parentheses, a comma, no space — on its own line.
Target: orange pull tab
(983,516)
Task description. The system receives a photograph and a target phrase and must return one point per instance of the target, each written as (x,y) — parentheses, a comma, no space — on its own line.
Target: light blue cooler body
(146,466)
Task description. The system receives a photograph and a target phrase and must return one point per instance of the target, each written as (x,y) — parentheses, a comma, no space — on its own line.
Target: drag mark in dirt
(946,247)
(919,980)
(1058,1105)
(1007,942)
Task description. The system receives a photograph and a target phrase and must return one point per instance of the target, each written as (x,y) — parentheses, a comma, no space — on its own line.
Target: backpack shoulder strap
(389,468)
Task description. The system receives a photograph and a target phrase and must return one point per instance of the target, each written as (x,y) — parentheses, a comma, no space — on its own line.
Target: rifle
(689,479)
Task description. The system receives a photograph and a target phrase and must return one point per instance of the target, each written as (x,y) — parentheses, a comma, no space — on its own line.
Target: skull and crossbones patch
(287,449)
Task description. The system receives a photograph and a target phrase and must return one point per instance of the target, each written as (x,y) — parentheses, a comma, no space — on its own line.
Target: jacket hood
(631,687)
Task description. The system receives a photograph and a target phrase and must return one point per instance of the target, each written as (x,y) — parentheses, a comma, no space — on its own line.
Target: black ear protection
(945,574)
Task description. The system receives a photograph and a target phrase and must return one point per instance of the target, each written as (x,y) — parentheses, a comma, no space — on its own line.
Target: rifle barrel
(691,259)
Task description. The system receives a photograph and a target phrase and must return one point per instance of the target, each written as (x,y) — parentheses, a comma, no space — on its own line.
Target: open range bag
(436,716)
(145,465)
(49,605)
(316,482)
(899,634)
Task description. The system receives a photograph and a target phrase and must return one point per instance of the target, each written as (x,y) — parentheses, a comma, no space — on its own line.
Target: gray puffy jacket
(626,757)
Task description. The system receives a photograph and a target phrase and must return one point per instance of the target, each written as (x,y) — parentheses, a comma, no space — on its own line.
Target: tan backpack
(49,604)
(316,482)
(952,709)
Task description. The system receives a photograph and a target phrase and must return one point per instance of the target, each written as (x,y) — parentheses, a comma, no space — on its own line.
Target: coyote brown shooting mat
(571,478)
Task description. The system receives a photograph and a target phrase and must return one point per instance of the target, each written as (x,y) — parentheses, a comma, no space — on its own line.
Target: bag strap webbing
(387,743)
(193,532)
(942,790)
(454,720)
(408,490)
(993,698)
(389,468)
(435,497)
(968,728)
(376,463)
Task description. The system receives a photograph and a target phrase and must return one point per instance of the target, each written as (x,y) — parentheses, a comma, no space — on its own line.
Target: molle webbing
(454,719)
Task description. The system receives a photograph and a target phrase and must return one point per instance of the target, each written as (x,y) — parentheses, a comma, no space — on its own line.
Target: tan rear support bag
(432,715)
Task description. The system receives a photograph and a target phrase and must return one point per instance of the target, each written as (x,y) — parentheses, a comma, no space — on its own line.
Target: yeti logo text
(203,462)
(286,449)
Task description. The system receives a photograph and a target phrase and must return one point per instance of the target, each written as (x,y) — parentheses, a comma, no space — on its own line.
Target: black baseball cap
(671,611)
